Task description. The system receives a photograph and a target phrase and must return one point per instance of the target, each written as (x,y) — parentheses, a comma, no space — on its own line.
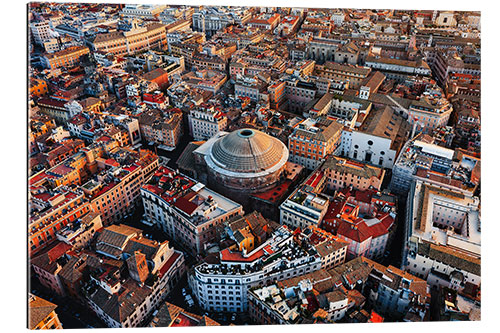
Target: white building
(443,235)
(378,140)
(421,160)
(212,19)
(187,211)
(205,123)
(302,209)
(41,31)
(398,69)
(224,287)
(143,11)
(338,18)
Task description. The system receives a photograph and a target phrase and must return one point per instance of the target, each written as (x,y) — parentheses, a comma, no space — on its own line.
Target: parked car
(189,301)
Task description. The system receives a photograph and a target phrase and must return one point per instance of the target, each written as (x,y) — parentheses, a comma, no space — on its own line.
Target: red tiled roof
(185,205)
(151,188)
(166,266)
(51,102)
(334,208)
(268,249)
(104,138)
(274,194)
(112,162)
(376,318)
(228,255)
(105,189)
(131,168)
(183,321)
(61,170)
(357,232)
(363,196)
(57,251)
(315,179)
(37,178)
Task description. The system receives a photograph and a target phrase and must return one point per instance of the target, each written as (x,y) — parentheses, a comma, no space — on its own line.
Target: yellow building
(66,58)
(121,43)
(244,239)
(42,315)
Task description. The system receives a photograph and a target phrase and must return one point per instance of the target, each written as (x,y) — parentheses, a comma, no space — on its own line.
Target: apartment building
(42,315)
(120,43)
(251,87)
(211,20)
(60,110)
(42,30)
(276,93)
(443,235)
(223,287)
(154,269)
(423,160)
(397,294)
(342,72)
(163,128)
(170,315)
(50,211)
(342,172)
(280,303)
(209,80)
(185,209)
(314,139)
(447,65)
(47,265)
(79,234)
(265,21)
(68,57)
(299,94)
(116,192)
(205,122)
(428,114)
(367,235)
(303,209)
(143,11)
(332,249)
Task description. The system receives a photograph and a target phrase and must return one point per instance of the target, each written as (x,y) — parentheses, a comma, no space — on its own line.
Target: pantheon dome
(246,159)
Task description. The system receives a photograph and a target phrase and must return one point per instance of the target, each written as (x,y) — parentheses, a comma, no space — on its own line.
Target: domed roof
(248,150)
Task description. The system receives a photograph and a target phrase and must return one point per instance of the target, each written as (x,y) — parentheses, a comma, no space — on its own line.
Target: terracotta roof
(48,259)
(321,280)
(228,255)
(121,305)
(168,264)
(185,205)
(39,309)
(116,235)
(347,166)
(173,315)
(451,257)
